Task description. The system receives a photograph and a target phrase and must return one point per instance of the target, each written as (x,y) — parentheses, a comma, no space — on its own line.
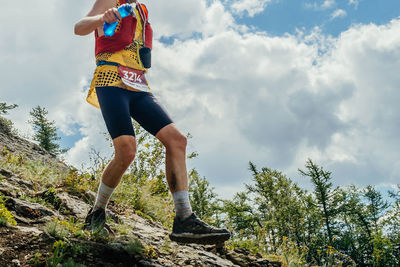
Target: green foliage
(202,196)
(70,263)
(241,216)
(328,198)
(56,229)
(292,255)
(37,260)
(122,229)
(4,108)
(327,227)
(134,247)
(393,222)
(77,183)
(50,196)
(39,172)
(150,252)
(45,131)
(35,199)
(376,206)
(5,124)
(64,229)
(59,251)
(6,218)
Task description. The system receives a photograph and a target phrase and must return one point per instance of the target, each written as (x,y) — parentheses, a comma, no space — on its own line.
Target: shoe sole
(208,239)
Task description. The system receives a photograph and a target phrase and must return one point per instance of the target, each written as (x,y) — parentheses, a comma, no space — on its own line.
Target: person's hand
(111,15)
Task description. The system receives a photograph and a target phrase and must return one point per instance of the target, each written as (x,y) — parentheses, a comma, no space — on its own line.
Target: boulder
(77,207)
(34,212)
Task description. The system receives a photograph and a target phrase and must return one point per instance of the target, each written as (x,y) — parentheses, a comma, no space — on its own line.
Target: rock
(275,264)
(90,197)
(33,211)
(16,262)
(12,185)
(19,145)
(15,180)
(77,207)
(150,263)
(5,173)
(8,190)
(242,251)
(20,244)
(236,258)
(265,263)
(32,230)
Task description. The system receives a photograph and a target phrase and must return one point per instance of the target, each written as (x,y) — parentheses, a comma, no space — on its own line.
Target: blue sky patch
(286,16)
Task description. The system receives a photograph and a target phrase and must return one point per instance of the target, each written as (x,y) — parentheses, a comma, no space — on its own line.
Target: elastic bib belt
(102,62)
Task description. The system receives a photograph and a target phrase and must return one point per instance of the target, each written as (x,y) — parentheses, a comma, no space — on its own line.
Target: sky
(274,82)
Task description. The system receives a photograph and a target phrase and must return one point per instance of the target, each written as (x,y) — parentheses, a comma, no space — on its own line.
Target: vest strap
(103,62)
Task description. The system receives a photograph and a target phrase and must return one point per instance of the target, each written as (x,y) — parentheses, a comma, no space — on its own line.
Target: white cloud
(328,4)
(354,3)
(244,96)
(251,7)
(338,13)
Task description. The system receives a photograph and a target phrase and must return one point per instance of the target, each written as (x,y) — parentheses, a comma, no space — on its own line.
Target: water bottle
(109,28)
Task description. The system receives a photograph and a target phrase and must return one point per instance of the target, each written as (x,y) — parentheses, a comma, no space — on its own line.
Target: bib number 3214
(133,78)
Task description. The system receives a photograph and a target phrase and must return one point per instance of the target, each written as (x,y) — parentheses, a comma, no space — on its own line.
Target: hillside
(48,203)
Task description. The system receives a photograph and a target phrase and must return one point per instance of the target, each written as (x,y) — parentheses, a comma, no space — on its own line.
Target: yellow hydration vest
(106,75)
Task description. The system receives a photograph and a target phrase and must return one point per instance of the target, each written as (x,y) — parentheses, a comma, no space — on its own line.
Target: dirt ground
(17,247)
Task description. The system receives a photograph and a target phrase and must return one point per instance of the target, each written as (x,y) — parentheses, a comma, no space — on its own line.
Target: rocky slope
(44,214)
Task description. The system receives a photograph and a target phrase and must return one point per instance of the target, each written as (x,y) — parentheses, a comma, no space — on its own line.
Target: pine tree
(280,211)
(376,205)
(328,198)
(45,131)
(356,233)
(6,124)
(202,195)
(4,108)
(393,221)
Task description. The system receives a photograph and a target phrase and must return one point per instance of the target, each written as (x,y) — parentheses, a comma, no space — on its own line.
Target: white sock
(182,204)
(103,196)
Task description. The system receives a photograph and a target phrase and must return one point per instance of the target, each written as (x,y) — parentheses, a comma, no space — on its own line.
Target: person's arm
(102,11)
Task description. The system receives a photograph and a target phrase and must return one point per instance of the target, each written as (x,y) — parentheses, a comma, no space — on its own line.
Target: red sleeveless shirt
(121,38)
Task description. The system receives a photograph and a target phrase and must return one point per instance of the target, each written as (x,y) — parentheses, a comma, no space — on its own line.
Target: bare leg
(187,227)
(175,162)
(125,150)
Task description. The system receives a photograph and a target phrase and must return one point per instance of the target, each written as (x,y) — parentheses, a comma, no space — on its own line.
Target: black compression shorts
(119,105)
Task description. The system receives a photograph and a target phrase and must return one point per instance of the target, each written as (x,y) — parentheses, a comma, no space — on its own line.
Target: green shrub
(6,218)
(59,250)
(63,229)
(7,126)
(134,247)
(71,263)
(57,230)
(37,260)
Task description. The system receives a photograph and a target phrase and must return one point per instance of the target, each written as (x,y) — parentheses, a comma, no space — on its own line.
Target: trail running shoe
(194,230)
(95,220)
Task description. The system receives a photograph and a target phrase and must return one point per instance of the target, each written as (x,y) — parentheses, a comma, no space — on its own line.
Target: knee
(179,142)
(126,157)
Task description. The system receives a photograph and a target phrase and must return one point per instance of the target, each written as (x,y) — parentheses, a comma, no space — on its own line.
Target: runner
(119,88)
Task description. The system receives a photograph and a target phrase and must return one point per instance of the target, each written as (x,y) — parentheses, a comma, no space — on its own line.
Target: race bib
(133,78)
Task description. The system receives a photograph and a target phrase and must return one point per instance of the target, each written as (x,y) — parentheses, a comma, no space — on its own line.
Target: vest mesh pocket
(107,78)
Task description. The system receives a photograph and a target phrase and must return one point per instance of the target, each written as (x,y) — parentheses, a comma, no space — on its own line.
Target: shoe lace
(199,222)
